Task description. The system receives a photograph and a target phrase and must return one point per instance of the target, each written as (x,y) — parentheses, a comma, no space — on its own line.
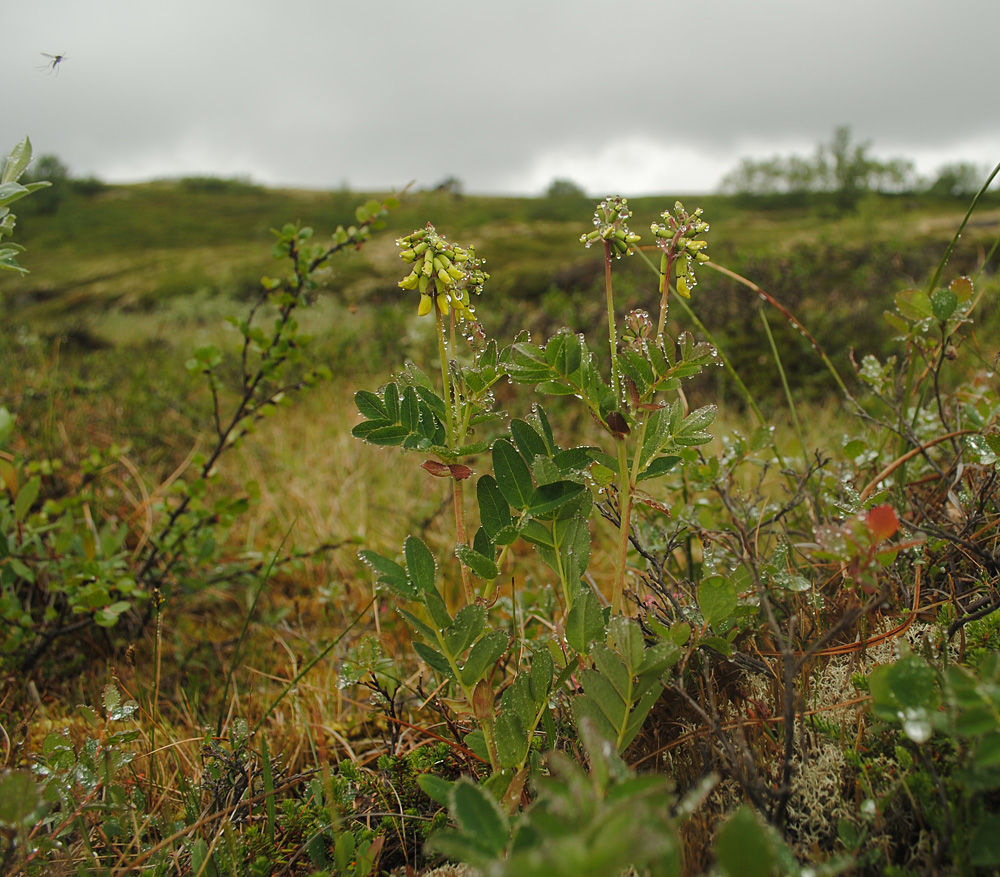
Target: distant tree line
(847,170)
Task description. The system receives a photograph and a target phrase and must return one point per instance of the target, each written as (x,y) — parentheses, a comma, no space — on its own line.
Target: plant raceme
(540,493)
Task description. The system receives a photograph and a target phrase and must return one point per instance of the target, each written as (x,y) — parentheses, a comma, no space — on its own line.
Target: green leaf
(603,694)
(573,459)
(540,675)
(585,707)
(391,397)
(517,700)
(107,616)
(536,533)
(421,627)
(743,848)
(18,797)
(476,741)
(628,639)
(659,658)
(435,788)
(438,611)
(482,544)
(717,599)
(914,304)
(494,510)
(943,304)
(484,567)
(484,654)
(720,644)
(389,572)
(409,410)
(909,682)
(202,862)
(508,535)
(26,497)
(549,497)
(512,474)
(658,466)
(343,851)
(433,658)
(572,536)
(112,698)
(465,629)
(637,718)
(512,740)
(420,566)
(983,849)
(479,815)
(585,622)
(528,441)
(692,429)
(17,161)
(545,427)
(6,426)
(988,751)
(384,435)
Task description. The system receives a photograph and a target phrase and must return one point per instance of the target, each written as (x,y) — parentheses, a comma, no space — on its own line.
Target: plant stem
(612,335)
(446,387)
(664,296)
(624,526)
(458,496)
(624,476)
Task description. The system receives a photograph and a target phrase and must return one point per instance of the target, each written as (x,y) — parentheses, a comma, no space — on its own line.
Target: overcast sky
(623,97)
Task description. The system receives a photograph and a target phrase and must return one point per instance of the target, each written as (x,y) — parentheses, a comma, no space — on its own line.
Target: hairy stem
(625,499)
(449,403)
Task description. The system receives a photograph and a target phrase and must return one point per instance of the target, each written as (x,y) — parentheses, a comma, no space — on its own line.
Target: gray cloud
(633,96)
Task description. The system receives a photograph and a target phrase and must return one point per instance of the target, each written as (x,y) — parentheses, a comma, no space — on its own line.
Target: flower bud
(424,308)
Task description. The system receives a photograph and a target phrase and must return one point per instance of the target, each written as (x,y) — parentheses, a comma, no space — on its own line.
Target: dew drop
(916,724)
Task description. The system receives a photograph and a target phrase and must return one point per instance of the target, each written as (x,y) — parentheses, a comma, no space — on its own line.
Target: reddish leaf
(460,472)
(447,470)
(439,470)
(632,391)
(644,498)
(882,521)
(617,424)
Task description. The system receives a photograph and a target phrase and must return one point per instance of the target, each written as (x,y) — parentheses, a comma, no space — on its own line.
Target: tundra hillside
(503,532)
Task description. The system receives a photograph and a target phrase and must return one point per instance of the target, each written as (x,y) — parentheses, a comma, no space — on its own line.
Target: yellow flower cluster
(677,238)
(611,226)
(445,275)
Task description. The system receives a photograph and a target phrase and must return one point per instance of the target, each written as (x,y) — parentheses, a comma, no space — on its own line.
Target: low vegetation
(392,570)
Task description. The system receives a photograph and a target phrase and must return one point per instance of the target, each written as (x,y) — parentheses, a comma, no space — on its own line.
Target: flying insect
(53,62)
